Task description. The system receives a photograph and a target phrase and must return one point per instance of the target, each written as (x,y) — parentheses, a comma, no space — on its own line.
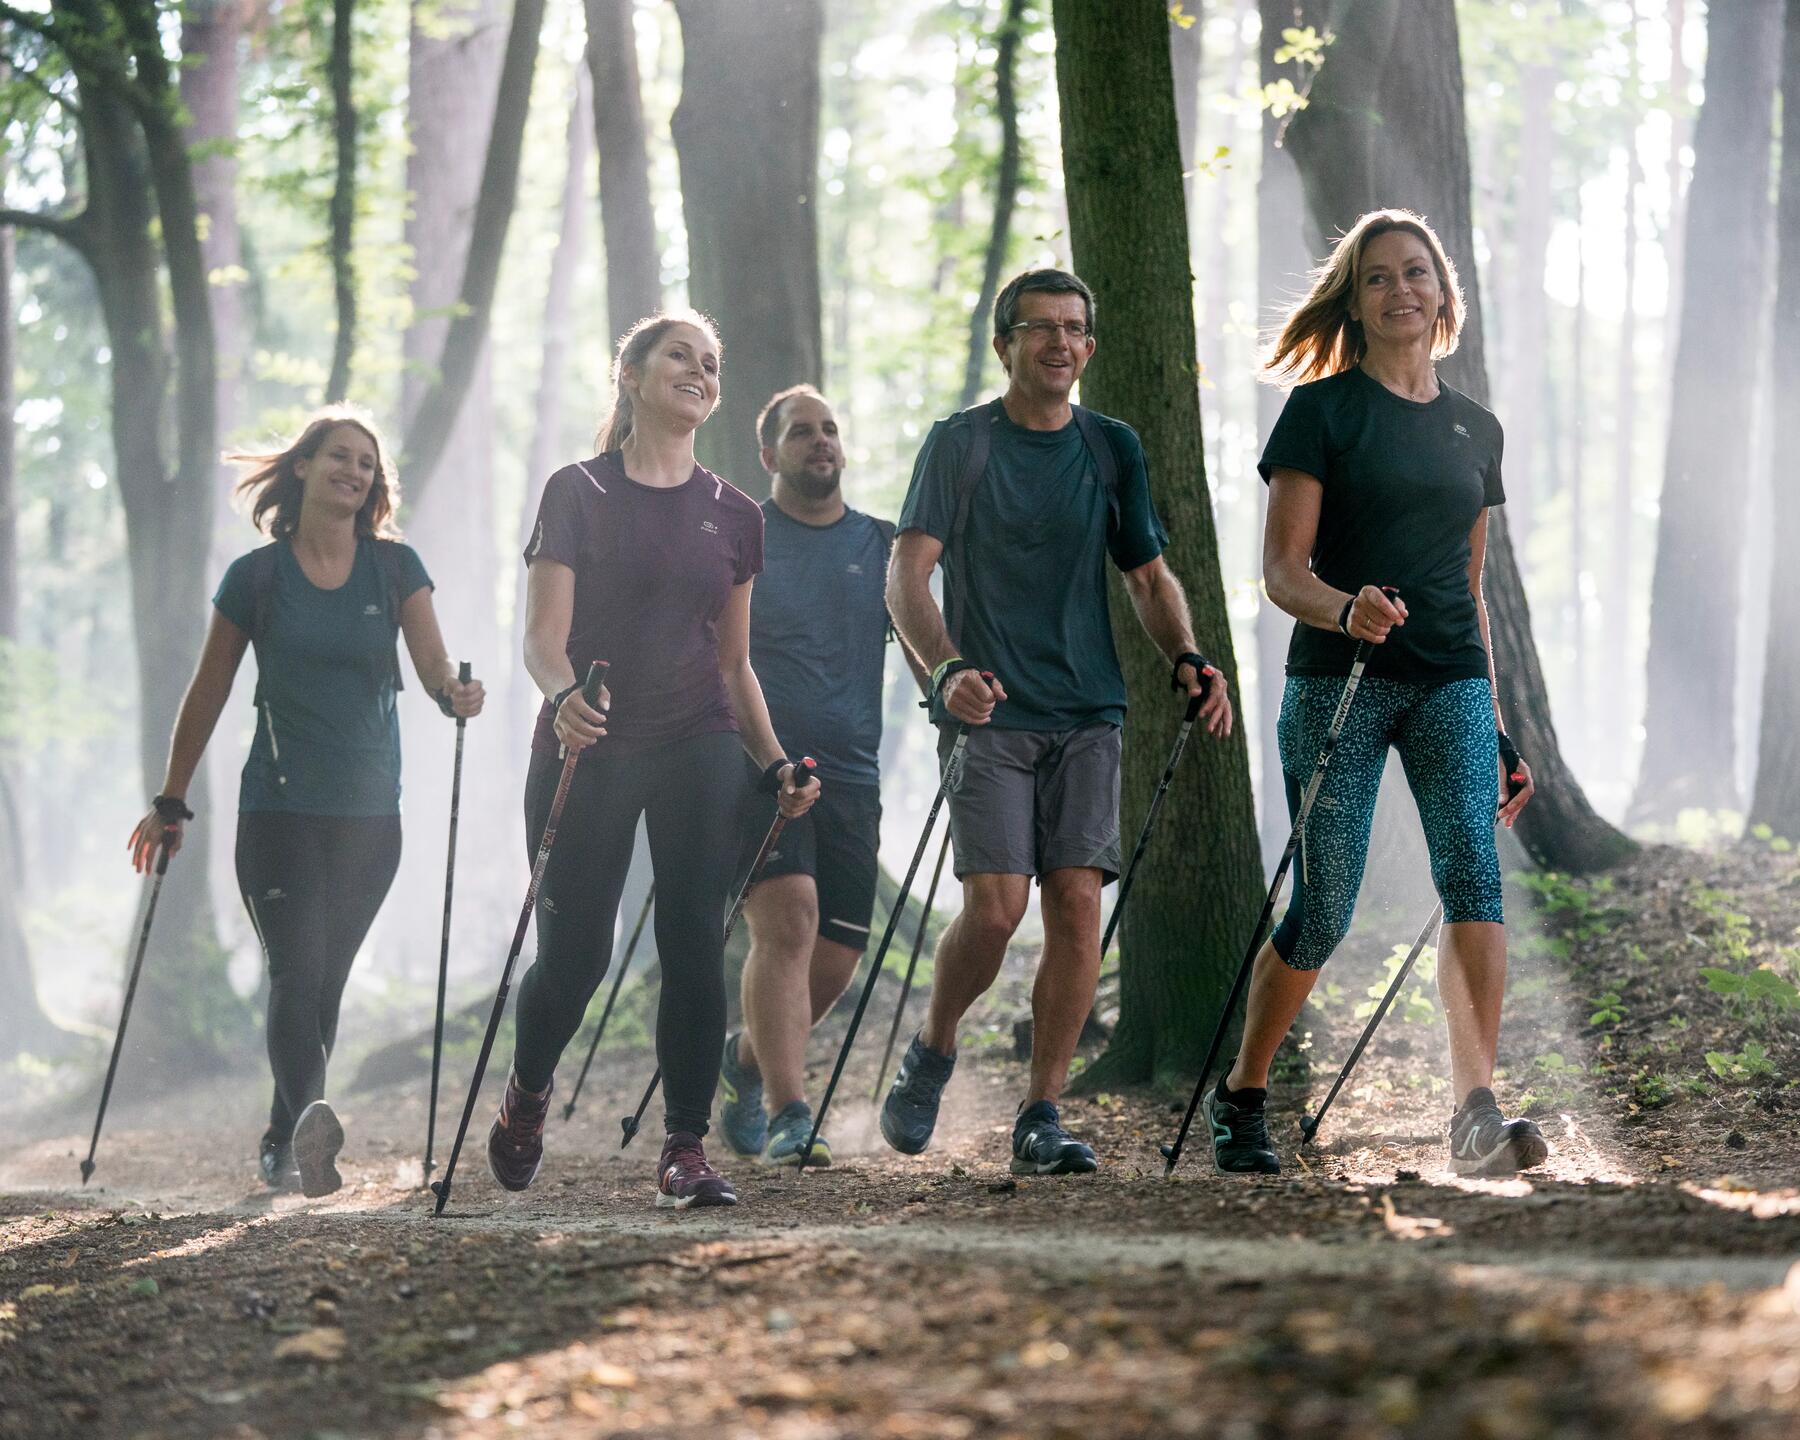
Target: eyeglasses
(1075,330)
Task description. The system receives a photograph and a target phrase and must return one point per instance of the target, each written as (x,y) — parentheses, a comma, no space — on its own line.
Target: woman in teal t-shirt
(318,837)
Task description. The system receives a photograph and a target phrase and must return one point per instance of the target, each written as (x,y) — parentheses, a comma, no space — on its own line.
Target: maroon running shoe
(516,1143)
(683,1177)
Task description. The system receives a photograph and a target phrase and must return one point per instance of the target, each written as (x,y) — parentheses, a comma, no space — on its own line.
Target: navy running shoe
(788,1133)
(741,1116)
(1240,1134)
(1484,1142)
(1042,1147)
(318,1136)
(909,1114)
(276,1162)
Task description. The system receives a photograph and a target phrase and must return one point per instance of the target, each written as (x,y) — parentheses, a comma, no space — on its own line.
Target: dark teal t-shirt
(1039,531)
(327,735)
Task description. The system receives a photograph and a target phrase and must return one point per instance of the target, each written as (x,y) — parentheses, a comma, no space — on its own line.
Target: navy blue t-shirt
(327,734)
(1040,529)
(818,636)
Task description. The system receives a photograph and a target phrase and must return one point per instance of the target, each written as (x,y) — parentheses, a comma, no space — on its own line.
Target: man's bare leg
(791,978)
(1068,972)
(970,952)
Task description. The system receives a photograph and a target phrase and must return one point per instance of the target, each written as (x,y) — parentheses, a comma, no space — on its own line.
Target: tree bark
(1197,893)
(428,434)
(1690,744)
(1525,335)
(1618,610)
(747,136)
(341,73)
(1006,195)
(1385,127)
(627,217)
(1776,799)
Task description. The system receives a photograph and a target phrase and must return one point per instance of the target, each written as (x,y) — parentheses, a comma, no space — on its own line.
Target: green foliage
(1654,1091)
(1413,1006)
(1730,935)
(1750,1063)
(1571,902)
(1757,997)
(1780,844)
(1608,1009)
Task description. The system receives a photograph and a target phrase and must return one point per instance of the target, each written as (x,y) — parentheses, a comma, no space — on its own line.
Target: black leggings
(312,885)
(688,793)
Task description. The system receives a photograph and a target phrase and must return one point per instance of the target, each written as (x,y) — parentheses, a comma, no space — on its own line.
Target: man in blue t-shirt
(1024,532)
(818,643)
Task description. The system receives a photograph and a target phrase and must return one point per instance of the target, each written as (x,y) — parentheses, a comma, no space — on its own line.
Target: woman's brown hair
(635,346)
(274,489)
(1319,338)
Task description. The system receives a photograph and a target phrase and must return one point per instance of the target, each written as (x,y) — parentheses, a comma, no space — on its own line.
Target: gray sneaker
(788,1133)
(1485,1142)
(909,1114)
(741,1115)
(1042,1147)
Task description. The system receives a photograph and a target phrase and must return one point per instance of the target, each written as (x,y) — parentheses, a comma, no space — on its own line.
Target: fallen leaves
(322,1344)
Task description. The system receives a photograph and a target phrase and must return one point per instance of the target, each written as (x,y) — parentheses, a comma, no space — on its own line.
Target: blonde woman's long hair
(635,346)
(273,489)
(1319,338)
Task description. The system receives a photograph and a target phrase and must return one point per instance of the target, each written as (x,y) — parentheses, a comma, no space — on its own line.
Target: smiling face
(679,378)
(339,475)
(1042,355)
(1399,295)
(807,452)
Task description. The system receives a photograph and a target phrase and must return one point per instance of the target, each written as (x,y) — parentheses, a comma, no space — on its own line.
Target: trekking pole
(611,995)
(630,1123)
(1156,803)
(131,984)
(1172,1153)
(912,964)
(590,692)
(464,674)
(952,772)
(1309,1129)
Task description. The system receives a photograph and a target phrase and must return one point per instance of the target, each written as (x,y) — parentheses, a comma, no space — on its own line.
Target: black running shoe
(1042,1147)
(516,1138)
(1240,1136)
(276,1162)
(909,1114)
(1485,1142)
(318,1136)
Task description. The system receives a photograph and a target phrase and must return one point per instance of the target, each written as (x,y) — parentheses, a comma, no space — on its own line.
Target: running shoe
(1240,1133)
(318,1136)
(1485,1142)
(909,1114)
(516,1140)
(741,1117)
(1042,1147)
(788,1132)
(684,1178)
(276,1163)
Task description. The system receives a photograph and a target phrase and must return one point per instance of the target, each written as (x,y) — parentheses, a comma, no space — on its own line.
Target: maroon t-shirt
(653,570)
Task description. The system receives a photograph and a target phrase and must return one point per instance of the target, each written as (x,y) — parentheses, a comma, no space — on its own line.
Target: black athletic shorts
(835,842)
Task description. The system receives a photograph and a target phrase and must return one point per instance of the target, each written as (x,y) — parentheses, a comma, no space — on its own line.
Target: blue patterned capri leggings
(1445,736)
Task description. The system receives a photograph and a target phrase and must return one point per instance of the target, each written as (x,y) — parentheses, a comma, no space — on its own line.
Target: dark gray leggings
(689,793)
(312,885)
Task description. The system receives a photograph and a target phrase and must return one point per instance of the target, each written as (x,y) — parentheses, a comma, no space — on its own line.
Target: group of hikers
(1379,474)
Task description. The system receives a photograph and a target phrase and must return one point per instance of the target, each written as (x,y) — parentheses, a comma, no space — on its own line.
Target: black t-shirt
(654,568)
(1404,484)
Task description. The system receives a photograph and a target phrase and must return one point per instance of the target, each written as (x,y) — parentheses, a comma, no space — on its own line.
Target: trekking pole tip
(87,1169)
(1308,1129)
(568,1110)
(1172,1156)
(629,1125)
(441,1189)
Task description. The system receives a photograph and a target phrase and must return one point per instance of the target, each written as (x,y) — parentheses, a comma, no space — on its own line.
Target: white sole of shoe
(318,1136)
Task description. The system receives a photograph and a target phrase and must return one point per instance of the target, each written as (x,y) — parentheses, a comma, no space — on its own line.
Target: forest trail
(1646,1282)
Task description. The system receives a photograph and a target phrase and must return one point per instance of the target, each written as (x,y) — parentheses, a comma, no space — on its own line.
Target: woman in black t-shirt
(642,558)
(1381,475)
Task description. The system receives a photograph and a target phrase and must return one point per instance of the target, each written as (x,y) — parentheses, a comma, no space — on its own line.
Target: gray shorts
(1033,801)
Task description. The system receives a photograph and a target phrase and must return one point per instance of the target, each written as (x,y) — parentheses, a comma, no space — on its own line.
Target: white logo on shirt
(709,527)
(853,569)
(1462,432)
(371,609)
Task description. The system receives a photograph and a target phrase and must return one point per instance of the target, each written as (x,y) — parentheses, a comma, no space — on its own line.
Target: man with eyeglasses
(1023,500)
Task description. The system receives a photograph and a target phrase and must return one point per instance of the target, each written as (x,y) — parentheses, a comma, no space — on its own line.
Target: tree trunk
(1776,801)
(1690,744)
(1196,896)
(1577,435)
(747,136)
(1681,133)
(341,72)
(1525,334)
(627,218)
(1006,195)
(1385,127)
(465,342)
(1618,609)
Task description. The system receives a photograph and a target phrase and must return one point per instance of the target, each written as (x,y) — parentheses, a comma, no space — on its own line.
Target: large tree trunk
(747,136)
(1385,127)
(1006,195)
(1196,895)
(1618,609)
(1690,741)
(1776,801)
(341,72)
(627,218)
(1525,331)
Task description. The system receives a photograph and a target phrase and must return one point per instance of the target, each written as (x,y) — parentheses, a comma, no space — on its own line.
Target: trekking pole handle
(465,672)
(596,677)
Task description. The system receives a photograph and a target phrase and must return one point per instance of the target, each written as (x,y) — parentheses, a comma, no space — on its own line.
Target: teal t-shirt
(327,734)
(1039,531)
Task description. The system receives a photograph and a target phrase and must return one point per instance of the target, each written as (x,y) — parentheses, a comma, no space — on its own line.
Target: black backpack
(262,589)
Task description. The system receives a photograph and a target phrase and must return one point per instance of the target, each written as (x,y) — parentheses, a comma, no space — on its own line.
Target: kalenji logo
(1460,431)
(853,569)
(371,609)
(709,527)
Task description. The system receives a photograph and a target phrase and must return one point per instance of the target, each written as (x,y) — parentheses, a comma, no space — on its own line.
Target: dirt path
(1645,1284)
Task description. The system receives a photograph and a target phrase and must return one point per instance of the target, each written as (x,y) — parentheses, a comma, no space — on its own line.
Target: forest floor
(1644,1283)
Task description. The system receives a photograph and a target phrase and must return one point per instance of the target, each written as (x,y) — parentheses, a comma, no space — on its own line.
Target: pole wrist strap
(1201,665)
(170,808)
(556,700)
(770,784)
(1344,615)
(941,675)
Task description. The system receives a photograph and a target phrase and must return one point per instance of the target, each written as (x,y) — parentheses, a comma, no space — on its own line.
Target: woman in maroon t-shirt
(642,558)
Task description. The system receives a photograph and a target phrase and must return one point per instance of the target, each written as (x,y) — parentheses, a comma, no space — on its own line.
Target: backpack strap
(980,419)
(1106,459)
